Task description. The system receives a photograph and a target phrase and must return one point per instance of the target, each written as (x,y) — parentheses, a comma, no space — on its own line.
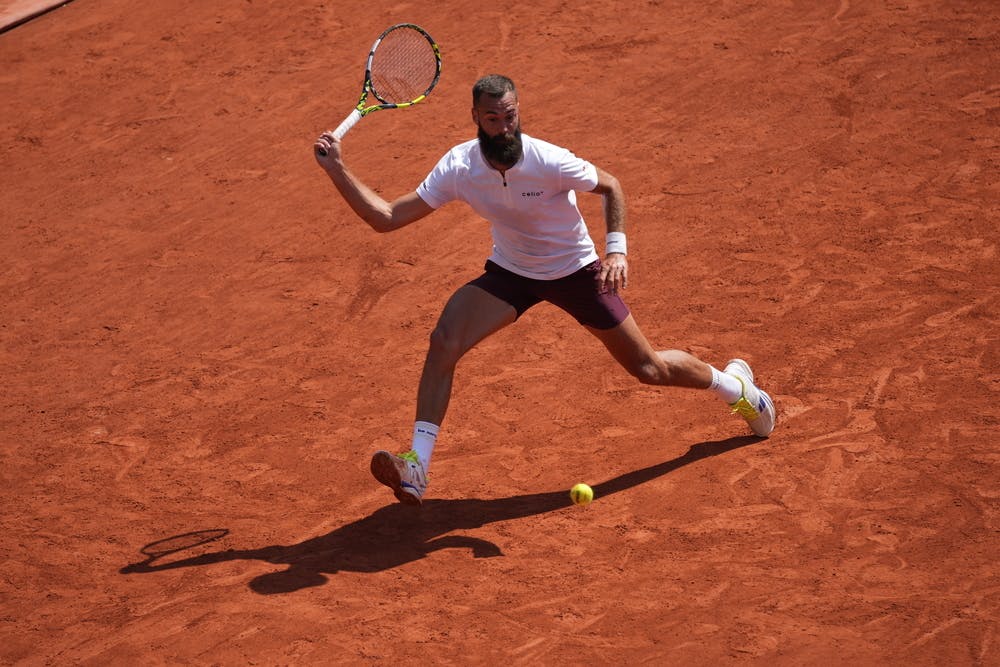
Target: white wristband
(615,242)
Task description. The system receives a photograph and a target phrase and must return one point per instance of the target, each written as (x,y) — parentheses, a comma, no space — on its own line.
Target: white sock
(726,387)
(424,436)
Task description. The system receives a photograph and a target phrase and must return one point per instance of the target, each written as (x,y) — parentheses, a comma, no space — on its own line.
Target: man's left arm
(614,269)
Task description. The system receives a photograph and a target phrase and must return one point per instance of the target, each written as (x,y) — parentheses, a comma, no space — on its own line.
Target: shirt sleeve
(439,187)
(576,173)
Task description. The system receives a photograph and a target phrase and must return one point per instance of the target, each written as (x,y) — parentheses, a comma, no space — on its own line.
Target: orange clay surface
(201,346)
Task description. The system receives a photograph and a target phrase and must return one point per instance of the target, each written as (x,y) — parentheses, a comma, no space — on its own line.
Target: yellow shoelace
(744,409)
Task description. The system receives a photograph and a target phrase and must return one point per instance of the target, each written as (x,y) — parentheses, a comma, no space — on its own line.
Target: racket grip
(348,123)
(342,129)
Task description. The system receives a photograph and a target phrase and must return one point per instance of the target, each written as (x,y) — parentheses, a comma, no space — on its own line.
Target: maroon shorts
(580,294)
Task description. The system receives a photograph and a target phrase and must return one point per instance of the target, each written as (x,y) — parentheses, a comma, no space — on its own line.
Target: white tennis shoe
(404,474)
(755,406)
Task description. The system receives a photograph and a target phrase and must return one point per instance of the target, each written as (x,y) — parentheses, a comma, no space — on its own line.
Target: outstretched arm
(370,207)
(614,269)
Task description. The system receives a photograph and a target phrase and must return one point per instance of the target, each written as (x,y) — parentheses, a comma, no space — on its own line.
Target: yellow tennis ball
(581,494)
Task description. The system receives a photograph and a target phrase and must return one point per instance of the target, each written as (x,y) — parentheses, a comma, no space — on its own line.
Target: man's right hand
(330,146)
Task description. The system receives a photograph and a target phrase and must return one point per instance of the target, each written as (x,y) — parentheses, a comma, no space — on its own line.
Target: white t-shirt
(538,231)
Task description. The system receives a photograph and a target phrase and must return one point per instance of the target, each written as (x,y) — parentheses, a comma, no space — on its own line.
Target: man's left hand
(614,272)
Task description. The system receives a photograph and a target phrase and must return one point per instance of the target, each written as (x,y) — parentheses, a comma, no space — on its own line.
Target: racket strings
(403,66)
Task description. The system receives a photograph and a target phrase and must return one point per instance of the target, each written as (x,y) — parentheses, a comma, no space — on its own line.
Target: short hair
(494,85)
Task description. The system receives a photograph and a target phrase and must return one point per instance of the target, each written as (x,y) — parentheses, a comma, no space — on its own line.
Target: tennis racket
(403,67)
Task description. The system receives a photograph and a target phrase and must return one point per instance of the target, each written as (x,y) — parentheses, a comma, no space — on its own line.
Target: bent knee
(650,372)
(444,345)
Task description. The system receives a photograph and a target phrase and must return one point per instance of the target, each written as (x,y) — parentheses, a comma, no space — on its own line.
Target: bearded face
(504,149)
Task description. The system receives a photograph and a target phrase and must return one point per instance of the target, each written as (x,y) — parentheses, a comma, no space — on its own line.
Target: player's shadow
(397,534)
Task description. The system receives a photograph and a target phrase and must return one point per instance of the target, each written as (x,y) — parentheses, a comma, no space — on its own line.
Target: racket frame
(360,111)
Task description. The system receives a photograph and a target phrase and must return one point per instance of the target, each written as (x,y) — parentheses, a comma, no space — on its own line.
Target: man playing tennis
(526,188)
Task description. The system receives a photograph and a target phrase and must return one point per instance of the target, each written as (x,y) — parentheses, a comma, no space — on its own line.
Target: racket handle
(348,123)
(342,129)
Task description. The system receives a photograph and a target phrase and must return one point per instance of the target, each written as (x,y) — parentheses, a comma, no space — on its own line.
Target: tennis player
(526,188)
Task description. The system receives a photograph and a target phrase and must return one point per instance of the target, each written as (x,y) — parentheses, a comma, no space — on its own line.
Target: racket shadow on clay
(398,534)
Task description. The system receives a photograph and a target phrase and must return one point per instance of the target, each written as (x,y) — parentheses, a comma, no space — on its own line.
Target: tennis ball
(581,494)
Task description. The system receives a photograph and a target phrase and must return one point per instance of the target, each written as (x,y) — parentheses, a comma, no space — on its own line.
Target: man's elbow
(377,221)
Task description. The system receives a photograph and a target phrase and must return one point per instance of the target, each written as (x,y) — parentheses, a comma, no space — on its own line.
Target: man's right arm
(380,215)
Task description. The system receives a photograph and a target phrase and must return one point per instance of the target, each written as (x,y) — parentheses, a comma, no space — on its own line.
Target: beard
(503,150)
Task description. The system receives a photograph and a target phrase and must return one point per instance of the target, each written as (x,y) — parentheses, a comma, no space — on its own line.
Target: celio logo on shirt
(532,194)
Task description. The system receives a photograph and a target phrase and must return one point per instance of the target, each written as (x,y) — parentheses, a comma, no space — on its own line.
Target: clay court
(202,346)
